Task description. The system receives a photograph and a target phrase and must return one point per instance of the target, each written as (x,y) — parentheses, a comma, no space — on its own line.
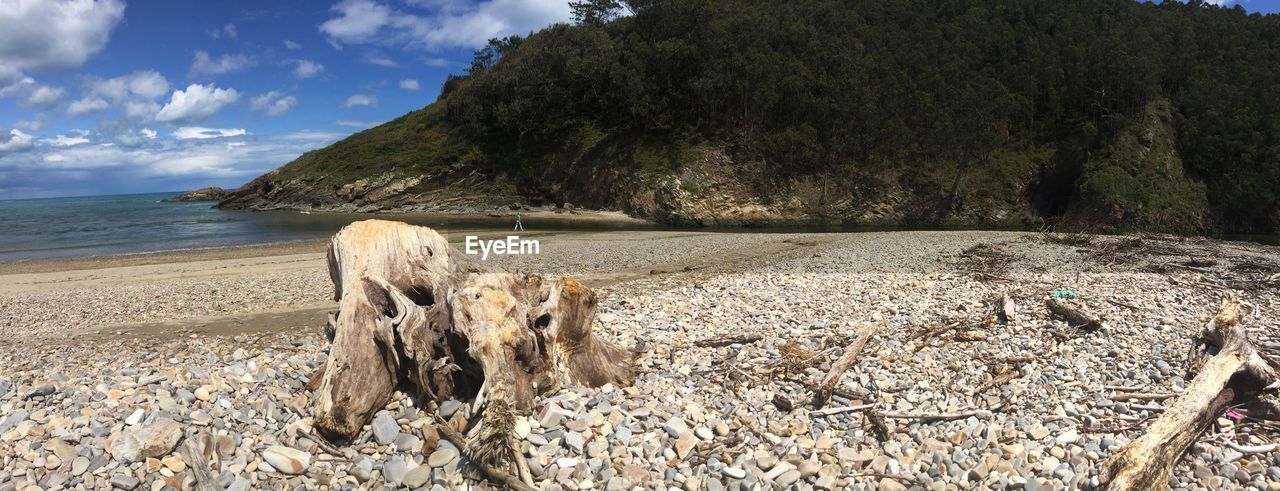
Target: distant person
(519,226)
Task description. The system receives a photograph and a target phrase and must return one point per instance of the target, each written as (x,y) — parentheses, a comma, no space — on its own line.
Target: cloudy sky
(116,96)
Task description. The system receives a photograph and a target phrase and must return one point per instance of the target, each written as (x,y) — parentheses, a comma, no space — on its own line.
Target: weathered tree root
(1232,372)
(412,316)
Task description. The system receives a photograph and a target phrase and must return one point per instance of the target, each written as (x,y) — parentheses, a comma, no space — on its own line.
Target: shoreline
(224,347)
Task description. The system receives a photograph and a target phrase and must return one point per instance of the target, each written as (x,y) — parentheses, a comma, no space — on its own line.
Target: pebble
(684,419)
(442,456)
(385,429)
(417,477)
(286,460)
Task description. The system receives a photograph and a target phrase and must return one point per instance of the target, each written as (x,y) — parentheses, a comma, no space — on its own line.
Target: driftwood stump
(1230,371)
(413,315)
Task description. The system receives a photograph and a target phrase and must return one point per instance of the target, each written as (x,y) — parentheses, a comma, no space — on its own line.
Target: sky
(117,96)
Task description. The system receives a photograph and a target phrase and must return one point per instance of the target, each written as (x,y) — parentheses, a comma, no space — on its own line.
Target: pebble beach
(108,373)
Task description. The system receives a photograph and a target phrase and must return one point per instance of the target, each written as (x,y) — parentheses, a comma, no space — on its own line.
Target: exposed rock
(202,194)
(154,440)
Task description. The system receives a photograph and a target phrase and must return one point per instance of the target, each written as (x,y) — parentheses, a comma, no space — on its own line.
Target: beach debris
(727,341)
(1005,308)
(848,359)
(1065,293)
(1075,315)
(200,470)
(1234,372)
(413,313)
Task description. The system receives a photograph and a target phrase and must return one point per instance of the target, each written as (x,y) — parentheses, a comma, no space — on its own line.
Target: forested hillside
(1107,114)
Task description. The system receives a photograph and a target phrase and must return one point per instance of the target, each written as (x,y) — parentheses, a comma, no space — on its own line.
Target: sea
(140,223)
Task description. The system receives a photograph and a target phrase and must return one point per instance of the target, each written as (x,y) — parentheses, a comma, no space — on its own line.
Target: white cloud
(228,31)
(55,35)
(360,100)
(307,69)
(202,133)
(44,95)
(141,109)
(357,22)
(45,170)
(204,65)
(409,84)
(436,62)
(80,137)
(14,84)
(196,103)
(86,105)
(380,60)
(292,45)
(16,140)
(147,133)
(272,103)
(32,124)
(439,24)
(144,84)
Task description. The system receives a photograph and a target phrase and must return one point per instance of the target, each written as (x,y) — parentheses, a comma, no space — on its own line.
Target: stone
(442,456)
(385,429)
(1068,437)
(447,408)
(287,460)
(417,477)
(62,449)
(685,444)
(574,440)
(126,482)
(734,472)
(79,465)
(394,471)
(675,426)
(153,440)
(552,416)
(521,429)
(888,484)
(135,418)
(174,463)
(787,478)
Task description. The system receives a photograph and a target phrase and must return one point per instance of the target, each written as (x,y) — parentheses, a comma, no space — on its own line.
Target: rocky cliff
(202,194)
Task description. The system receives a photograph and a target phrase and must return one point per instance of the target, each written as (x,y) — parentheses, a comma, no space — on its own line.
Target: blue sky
(118,96)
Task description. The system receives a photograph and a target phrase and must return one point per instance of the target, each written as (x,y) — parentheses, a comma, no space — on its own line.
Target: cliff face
(1002,113)
(1136,183)
(202,194)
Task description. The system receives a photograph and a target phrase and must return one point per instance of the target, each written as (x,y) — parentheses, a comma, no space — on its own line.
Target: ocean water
(122,224)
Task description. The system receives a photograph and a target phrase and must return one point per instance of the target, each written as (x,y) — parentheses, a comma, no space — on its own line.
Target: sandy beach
(221,341)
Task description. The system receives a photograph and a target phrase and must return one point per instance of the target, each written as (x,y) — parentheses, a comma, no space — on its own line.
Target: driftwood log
(848,359)
(413,315)
(1074,315)
(1230,371)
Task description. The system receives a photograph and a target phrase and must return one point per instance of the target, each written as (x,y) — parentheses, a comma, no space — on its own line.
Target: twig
(324,444)
(839,410)
(1122,304)
(848,359)
(1142,397)
(935,417)
(721,342)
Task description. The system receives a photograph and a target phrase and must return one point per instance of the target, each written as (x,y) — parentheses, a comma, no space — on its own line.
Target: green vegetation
(1125,114)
